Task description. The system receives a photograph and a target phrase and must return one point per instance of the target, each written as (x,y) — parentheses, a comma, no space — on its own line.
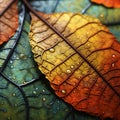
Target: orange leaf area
(8,21)
(82,65)
(108,3)
(4,4)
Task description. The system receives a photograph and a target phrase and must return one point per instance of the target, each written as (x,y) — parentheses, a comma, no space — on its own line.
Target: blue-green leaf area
(20,67)
(106,15)
(12,101)
(115,29)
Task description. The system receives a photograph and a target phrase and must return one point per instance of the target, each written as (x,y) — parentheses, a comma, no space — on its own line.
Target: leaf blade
(56,62)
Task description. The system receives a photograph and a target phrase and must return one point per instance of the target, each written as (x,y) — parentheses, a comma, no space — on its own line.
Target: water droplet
(47,77)
(101,15)
(34,92)
(11,61)
(14,78)
(52,50)
(12,66)
(88,44)
(87,33)
(36,88)
(63,91)
(44,99)
(14,56)
(23,56)
(43,90)
(74,91)
(72,66)
(68,71)
(24,82)
(17,58)
(9,76)
(113,64)
(13,94)
(113,56)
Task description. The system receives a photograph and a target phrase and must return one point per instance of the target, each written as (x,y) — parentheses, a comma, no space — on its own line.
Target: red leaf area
(108,3)
(8,20)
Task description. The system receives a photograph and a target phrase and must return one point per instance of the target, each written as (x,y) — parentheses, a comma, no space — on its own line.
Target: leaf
(83,67)
(22,85)
(106,15)
(8,21)
(108,3)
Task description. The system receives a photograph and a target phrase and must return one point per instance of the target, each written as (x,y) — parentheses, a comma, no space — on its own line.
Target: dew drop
(14,78)
(72,66)
(34,92)
(24,82)
(113,64)
(12,66)
(113,56)
(68,71)
(13,94)
(63,91)
(52,50)
(22,56)
(14,56)
(11,61)
(88,44)
(44,99)
(101,15)
(36,88)
(47,77)
(43,90)
(10,76)
(87,33)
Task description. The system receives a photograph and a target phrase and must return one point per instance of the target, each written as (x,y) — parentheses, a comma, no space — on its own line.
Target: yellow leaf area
(8,21)
(81,60)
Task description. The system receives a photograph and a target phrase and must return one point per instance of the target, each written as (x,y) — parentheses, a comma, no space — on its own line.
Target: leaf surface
(81,60)
(108,3)
(8,21)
